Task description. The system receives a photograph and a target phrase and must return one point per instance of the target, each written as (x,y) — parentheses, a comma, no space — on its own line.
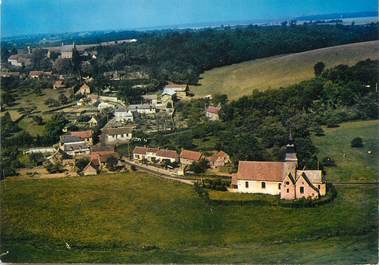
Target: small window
(246,184)
(287,183)
(279,185)
(319,187)
(301,189)
(263,185)
(288,190)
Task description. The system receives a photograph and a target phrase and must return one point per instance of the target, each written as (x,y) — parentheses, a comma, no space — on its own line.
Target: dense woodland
(182,56)
(256,127)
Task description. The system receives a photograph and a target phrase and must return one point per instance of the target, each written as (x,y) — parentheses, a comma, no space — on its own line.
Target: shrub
(328,162)
(357,142)
(216,184)
(81,163)
(54,168)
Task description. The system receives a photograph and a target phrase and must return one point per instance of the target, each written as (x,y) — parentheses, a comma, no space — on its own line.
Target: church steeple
(290,149)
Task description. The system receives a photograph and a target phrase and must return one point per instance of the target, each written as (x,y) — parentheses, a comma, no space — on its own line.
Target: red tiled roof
(167,153)
(213,109)
(190,155)
(220,154)
(260,170)
(141,150)
(83,134)
(102,157)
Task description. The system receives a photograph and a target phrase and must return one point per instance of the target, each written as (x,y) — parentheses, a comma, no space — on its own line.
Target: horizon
(25,17)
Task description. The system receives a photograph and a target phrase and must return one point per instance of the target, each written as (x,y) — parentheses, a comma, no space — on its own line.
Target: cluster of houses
(79,144)
(184,158)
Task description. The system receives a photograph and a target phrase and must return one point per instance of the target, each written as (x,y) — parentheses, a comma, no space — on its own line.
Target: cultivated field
(136,218)
(240,79)
(353,164)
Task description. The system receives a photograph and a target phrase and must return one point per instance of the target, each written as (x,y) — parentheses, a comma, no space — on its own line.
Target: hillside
(136,218)
(240,79)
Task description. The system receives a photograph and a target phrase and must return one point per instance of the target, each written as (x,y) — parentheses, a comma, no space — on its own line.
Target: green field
(135,218)
(240,79)
(353,164)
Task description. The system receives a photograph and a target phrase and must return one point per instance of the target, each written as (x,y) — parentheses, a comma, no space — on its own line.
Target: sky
(56,16)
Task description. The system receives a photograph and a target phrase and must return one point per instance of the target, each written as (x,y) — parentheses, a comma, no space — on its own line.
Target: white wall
(255,187)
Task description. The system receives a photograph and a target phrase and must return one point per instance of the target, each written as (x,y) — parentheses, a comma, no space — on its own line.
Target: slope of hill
(240,79)
(136,218)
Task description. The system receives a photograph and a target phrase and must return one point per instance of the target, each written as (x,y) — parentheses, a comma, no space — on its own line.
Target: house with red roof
(187,157)
(154,154)
(219,159)
(212,113)
(279,178)
(86,136)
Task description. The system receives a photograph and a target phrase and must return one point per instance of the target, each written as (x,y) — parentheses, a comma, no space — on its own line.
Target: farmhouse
(93,122)
(84,90)
(180,90)
(118,135)
(20,60)
(84,135)
(219,159)
(123,115)
(38,74)
(73,145)
(91,169)
(145,153)
(187,157)
(279,178)
(142,108)
(58,84)
(212,113)
(155,154)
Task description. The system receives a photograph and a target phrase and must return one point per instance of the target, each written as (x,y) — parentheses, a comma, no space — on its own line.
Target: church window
(279,185)
(263,185)
(319,187)
(287,183)
(301,189)
(288,190)
(246,184)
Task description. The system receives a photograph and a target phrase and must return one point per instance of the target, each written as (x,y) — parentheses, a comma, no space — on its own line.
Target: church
(279,178)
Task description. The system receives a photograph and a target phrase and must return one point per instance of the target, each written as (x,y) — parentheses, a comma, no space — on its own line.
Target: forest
(181,56)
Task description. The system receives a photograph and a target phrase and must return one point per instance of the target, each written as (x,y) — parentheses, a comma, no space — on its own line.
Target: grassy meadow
(280,71)
(137,218)
(352,164)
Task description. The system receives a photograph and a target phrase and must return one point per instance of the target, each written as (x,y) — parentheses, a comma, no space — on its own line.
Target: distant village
(153,114)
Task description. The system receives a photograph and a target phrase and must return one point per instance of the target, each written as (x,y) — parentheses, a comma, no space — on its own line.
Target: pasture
(241,79)
(137,218)
(352,164)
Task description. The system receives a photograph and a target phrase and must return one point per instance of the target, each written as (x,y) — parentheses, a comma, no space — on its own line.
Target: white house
(123,115)
(143,108)
(113,136)
(73,145)
(155,154)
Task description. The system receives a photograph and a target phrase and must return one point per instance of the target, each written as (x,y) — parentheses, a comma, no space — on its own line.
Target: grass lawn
(134,217)
(353,164)
(36,102)
(240,79)
(31,127)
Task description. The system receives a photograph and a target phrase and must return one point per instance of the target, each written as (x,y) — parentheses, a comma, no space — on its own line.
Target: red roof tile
(213,109)
(220,154)
(190,155)
(83,134)
(167,153)
(261,170)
